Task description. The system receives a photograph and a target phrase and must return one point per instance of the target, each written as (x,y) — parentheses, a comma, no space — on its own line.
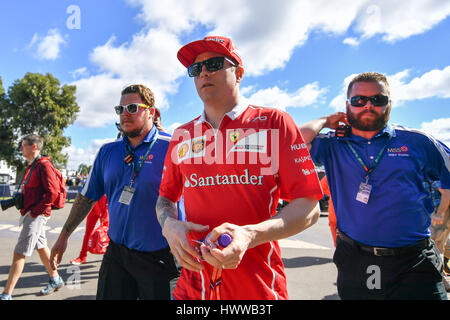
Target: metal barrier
(72,192)
(7,190)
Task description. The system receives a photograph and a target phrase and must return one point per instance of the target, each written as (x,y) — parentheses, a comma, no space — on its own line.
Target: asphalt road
(311,273)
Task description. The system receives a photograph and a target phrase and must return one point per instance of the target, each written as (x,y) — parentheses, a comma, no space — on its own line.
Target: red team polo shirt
(237,174)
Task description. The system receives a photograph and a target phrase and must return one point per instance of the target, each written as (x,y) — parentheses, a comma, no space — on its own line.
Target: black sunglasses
(378,100)
(131,108)
(212,64)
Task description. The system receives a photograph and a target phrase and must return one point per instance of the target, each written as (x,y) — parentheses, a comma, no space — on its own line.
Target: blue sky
(298,55)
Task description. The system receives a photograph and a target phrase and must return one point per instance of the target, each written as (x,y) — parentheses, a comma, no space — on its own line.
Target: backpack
(99,240)
(60,200)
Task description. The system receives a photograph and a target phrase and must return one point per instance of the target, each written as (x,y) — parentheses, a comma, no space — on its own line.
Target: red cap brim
(189,52)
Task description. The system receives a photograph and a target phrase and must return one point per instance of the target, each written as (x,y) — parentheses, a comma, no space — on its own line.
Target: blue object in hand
(224,240)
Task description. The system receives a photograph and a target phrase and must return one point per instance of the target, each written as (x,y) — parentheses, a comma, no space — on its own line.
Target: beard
(374,125)
(134,133)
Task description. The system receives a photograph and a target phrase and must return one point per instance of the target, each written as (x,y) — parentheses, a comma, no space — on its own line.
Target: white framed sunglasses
(131,108)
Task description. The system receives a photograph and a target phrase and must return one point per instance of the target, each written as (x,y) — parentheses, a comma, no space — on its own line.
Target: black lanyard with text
(377,160)
(142,160)
(28,175)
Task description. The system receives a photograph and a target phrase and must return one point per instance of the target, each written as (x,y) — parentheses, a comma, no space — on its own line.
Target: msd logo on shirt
(398,151)
(148,160)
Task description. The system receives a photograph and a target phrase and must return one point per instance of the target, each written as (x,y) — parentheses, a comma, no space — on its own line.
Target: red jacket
(41,190)
(100,210)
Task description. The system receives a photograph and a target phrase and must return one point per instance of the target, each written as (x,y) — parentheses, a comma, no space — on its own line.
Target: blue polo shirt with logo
(135,225)
(399,208)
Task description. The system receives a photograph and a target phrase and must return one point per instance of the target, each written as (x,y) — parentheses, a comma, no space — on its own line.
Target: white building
(68,173)
(7,174)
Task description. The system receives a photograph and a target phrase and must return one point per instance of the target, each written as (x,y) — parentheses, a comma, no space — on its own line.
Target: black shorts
(128,274)
(412,275)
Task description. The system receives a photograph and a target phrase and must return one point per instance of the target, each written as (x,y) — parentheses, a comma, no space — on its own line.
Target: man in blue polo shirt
(375,172)
(138,263)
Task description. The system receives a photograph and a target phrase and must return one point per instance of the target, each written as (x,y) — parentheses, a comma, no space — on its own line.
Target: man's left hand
(231,256)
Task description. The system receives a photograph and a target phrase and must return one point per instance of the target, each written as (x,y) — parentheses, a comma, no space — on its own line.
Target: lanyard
(141,162)
(216,278)
(377,160)
(214,284)
(28,174)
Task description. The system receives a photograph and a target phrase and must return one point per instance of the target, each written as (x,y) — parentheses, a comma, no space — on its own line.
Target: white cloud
(79,72)
(170,129)
(351,42)
(338,102)
(97,97)
(33,41)
(438,128)
(79,156)
(267,33)
(281,99)
(150,55)
(434,83)
(48,47)
(149,59)
(394,21)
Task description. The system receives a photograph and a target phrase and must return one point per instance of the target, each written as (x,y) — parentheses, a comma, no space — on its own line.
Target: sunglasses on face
(131,108)
(212,64)
(378,100)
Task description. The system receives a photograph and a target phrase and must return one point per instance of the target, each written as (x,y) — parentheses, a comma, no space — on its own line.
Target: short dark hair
(34,139)
(369,77)
(145,93)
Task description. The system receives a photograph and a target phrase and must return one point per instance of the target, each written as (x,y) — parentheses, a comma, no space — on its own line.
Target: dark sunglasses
(131,108)
(378,100)
(212,64)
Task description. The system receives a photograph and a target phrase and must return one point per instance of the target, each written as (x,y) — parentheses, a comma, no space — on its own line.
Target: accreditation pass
(127,195)
(364,192)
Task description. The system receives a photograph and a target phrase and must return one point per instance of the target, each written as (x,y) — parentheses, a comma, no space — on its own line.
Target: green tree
(2,90)
(6,132)
(37,104)
(84,169)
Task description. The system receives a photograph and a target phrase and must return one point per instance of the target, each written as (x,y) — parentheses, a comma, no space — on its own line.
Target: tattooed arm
(80,209)
(165,209)
(176,231)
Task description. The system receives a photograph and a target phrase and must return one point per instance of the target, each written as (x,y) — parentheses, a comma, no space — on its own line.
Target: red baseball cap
(223,45)
(157,112)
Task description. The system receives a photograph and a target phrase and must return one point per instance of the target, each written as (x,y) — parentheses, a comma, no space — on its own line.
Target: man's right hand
(333,120)
(58,250)
(175,232)
(437,219)
(311,129)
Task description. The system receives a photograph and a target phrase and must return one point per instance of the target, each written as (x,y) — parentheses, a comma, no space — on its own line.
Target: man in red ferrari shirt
(40,189)
(232,165)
